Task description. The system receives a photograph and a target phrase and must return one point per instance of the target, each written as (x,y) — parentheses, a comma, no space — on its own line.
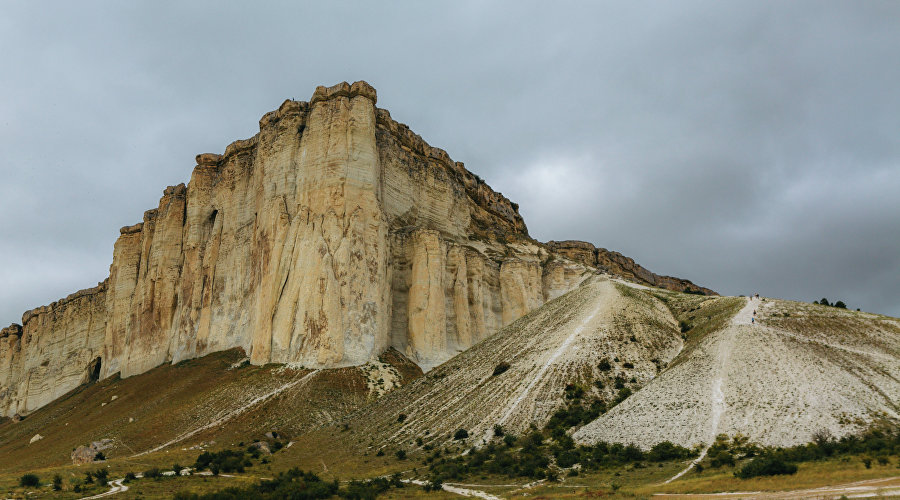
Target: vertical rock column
(521,289)
(334,304)
(426,309)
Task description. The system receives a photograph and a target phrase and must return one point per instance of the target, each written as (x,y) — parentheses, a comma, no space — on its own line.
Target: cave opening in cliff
(93,370)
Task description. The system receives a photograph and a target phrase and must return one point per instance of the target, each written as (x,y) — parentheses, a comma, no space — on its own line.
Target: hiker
(752,320)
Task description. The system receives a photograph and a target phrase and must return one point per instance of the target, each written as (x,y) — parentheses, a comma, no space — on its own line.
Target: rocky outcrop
(617,264)
(323,240)
(52,351)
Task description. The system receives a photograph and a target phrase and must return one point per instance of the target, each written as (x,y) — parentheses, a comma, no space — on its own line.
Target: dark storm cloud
(748,146)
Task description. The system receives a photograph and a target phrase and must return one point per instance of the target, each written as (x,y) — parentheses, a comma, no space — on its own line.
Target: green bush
(152,473)
(57,482)
(460,434)
(401,455)
(766,465)
(666,450)
(604,365)
(102,475)
(721,458)
(623,394)
(224,461)
(29,481)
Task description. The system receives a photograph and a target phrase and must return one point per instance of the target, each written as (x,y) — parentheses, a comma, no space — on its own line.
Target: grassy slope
(170,400)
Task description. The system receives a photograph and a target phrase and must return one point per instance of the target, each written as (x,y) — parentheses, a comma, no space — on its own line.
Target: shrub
(102,475)
(460,434)
(29,481)
(129,477)
(500,368)
(604,365)
(721,458)
(380,453)
(667,451)
(435,484)
(57,482)
(401,418)
(88,477)
(623,394)
(766,465)
(628,365)
(619,382)
(401,455)
(155,473)
(177,469)
(99,456)
(867,462)
(574,391)
(498,430)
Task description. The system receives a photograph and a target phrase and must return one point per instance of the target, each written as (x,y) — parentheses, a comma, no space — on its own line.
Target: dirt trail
(717,398)
(232,414)
(458,490)
(884,487)
(539,377)
(117,487)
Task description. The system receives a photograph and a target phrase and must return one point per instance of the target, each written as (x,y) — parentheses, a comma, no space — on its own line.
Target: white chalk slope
(798,369)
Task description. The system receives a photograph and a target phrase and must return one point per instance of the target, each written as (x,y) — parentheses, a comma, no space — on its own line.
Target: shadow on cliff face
(92,373)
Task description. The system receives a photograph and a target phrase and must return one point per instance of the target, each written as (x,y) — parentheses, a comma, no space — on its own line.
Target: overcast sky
(747,146)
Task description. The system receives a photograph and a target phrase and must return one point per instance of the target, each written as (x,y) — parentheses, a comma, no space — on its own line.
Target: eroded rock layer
(617,264)
(329,236)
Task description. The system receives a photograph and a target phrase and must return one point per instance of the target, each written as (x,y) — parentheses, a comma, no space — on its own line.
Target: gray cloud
(745,146)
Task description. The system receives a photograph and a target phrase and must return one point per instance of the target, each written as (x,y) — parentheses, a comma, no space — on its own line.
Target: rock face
(323,240)
(618,264)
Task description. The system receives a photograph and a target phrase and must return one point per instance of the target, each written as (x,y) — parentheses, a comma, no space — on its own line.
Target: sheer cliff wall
(332,234)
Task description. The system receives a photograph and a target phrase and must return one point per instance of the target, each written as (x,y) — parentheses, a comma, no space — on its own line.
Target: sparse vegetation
(298,484)
(223,461)
(824,302)
(500,368)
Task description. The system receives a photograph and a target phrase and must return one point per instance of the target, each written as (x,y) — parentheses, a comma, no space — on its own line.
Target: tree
(840,304)
(824,302)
